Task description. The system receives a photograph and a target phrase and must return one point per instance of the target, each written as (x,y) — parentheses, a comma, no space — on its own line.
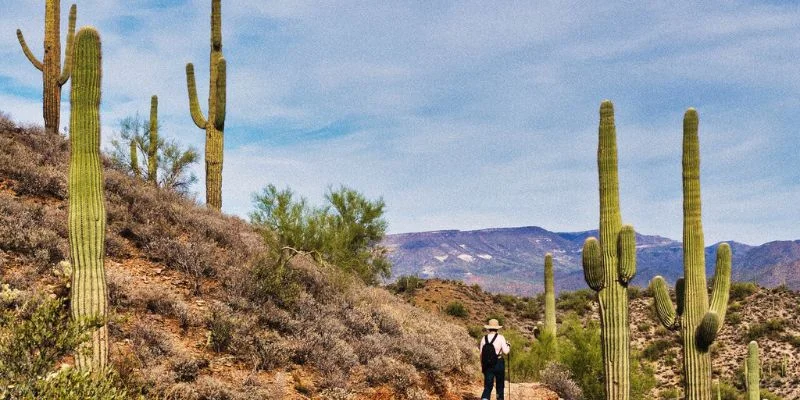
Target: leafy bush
(579,301)
(529,358)
(741,290)
(345,233)
(456,309)
(33,339)
(772,328)
(407,284)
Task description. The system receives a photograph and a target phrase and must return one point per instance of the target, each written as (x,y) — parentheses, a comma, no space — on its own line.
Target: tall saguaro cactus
(87,215)
(214,124)
(135,159)
(549,297)
(698,320)
(53,77)
(152,151)
(610,263)
(752,372)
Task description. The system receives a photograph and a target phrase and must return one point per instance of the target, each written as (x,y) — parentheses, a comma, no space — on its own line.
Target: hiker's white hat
(493,324)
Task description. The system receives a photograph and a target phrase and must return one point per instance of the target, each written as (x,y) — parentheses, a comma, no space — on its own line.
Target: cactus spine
(53,77)
(152,151)
(87,215)
(214,125)
(135,160)
(752,372)
(698,320)
(549,297)
(610,263)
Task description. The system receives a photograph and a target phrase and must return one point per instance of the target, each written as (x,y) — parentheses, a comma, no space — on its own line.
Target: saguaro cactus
(549,297)
(698,321)
(152,151)
(610,263)
(135,160)
(214,125)
(53,77)
(752,372)
(87,215)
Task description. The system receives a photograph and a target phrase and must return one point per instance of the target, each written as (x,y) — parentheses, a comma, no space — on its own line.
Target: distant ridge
(510,260)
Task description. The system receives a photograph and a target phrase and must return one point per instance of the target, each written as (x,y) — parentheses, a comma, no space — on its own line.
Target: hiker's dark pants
(497,373)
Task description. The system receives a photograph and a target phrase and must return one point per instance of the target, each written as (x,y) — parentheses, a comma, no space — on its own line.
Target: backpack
(488,354)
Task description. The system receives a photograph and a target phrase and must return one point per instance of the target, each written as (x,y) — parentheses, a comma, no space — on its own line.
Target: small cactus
(752,372)
(53,76)
(87,215)
(697,320)
(610,263)
(214,125)
(549,297)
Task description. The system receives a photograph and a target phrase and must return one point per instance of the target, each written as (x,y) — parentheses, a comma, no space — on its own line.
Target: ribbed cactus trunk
(87,216)
(698,321)
(135,160)
(752,371)
(53,77)
(214,125)
(549,297)
(610,264)
(152,151)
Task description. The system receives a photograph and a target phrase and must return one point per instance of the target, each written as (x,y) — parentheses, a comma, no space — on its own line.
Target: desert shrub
(149,344)
(221,329)
(269,351)
(656,349)
(407,284)
(456,309)
(772,328)
(579,301)
(741,290)
(345,233)
(733,318)
(533,308)
(34,337)
(580,351)
(386,370)
(558,378)
(27,229)
(475,331)
(529,358)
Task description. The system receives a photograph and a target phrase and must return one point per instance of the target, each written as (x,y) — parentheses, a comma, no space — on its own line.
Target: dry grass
(200,307)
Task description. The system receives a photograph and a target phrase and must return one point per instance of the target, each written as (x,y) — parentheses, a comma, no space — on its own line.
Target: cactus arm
(65,74)
(219,118)
(593,264)
(194,105)
(663,304)
(25,49)
(707,330)
(627,254)
(722,281)
(752,372)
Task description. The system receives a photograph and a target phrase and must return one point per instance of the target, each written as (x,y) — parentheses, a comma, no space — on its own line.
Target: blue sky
(466,114)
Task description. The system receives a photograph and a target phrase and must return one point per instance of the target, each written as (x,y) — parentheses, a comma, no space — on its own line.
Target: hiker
(493,364)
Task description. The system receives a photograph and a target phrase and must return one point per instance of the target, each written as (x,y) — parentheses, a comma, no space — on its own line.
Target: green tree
(174,162)
(345,232)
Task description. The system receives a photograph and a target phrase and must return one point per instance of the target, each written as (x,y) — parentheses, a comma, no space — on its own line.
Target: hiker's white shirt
(499,344)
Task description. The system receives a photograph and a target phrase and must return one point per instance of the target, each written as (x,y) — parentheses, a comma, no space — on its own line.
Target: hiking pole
(509,375)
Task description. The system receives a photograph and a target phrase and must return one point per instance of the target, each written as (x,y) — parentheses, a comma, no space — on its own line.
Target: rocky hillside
(769,316)
(202,309)
(510,260)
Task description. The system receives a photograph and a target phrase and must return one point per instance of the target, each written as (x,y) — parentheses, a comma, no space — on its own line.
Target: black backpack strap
(493,339)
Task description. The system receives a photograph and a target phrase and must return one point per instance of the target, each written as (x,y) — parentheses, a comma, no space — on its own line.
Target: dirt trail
(519,391)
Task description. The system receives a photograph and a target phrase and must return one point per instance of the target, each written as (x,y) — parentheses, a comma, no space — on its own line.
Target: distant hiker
(493,364)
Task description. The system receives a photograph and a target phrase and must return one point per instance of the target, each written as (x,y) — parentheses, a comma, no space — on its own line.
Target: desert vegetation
(116,284)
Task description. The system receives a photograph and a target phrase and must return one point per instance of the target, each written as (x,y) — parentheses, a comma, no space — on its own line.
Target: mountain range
(511,260)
